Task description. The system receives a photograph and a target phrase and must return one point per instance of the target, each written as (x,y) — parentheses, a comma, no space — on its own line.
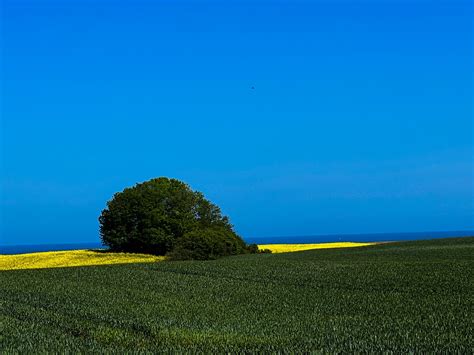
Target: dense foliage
(153,216)
(410,297)
(206,244)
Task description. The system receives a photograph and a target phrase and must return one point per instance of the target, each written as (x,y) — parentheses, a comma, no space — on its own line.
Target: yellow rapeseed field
(288,248)
(71,258)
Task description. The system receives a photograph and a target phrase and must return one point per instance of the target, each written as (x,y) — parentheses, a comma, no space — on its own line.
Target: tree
(153,216)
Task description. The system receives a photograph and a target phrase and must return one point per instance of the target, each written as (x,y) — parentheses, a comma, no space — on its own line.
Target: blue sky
(360,119)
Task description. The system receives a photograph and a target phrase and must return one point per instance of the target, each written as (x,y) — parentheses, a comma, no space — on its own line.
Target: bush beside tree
(210,243)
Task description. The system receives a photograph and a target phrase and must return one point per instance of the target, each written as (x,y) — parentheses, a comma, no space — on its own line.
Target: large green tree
(153,216)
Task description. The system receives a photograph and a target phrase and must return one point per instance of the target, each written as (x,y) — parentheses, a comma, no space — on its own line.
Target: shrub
(152,216)
(254,249)
(205,244)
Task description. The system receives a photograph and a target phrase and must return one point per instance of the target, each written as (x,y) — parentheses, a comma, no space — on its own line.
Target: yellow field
(288,248)
(71,258)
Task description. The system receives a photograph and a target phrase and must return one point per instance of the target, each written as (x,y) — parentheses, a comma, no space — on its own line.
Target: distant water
(21,249)
(375,237)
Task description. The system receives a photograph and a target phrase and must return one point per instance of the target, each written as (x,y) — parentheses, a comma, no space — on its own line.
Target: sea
(372,237)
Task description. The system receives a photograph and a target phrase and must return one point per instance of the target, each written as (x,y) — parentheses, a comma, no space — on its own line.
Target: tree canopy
(155,216)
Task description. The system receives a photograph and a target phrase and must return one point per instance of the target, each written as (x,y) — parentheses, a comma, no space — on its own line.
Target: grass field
(74,258)
(400,297)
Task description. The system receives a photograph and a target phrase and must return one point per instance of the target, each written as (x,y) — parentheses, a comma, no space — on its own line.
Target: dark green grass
(400,297)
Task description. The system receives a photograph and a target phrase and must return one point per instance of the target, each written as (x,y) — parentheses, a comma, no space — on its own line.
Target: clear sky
(360,119)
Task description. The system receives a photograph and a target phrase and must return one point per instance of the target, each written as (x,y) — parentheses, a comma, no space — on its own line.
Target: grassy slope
(404,296)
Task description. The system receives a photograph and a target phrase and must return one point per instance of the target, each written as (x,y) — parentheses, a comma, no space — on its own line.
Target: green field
(400,297)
